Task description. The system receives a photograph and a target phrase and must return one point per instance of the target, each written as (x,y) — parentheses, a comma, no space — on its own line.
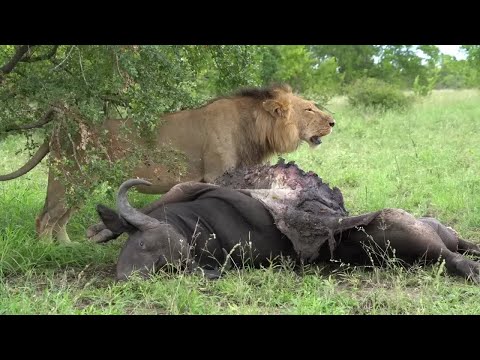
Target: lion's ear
(276,108)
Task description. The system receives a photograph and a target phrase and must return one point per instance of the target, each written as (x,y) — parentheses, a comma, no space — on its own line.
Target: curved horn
(133,216)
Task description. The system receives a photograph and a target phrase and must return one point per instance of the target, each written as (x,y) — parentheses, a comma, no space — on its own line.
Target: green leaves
(93,82)
(145,80)
(299,66)
(353,61)
(378,95)
(141,82)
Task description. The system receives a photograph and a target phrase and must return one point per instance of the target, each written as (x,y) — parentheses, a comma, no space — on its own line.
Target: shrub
(374,93)
(423,86)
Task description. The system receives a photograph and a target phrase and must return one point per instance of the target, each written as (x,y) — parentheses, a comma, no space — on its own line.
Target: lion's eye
(141,243)
(309,109)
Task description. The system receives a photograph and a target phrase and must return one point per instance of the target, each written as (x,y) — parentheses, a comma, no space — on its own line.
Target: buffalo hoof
(467,268)
(94,230)
(102,236)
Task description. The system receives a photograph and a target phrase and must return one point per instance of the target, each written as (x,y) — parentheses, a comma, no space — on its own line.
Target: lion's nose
(332,123)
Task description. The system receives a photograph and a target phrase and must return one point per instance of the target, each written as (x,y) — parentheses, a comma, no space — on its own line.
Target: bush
(423,86)
(374,93)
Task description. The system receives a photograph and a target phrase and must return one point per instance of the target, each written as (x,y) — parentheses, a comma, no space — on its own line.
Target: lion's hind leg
(52,221)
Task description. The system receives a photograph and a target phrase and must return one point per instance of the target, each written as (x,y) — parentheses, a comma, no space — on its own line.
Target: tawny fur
(241,130)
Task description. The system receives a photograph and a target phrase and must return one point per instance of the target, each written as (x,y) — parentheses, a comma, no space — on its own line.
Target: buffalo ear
(277,108)
(113,222)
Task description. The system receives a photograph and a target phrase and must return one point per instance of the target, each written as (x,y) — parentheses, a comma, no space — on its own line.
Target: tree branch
(58,63)
(47,56)
(46,118)
(9,66)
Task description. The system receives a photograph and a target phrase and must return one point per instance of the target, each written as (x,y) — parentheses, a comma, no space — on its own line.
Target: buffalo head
(151,243)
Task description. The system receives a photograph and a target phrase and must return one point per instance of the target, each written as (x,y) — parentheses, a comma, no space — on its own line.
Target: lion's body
(208,136)
(242,130)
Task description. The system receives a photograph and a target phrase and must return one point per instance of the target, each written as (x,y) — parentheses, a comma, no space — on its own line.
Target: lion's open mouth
(316,140)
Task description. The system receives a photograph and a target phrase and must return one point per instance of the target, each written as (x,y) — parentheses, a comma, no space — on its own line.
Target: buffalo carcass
(257,214)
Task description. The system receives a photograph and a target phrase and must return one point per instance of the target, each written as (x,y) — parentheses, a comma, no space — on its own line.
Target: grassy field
(426,161)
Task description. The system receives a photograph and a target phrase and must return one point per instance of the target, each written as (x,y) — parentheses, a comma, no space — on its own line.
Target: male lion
(228,132)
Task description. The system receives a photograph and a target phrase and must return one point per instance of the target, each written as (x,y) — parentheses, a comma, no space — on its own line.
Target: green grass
(426,161)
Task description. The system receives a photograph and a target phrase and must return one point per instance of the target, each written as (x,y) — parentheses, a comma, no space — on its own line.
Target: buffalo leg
(467,247)
(412,240)
(451,239)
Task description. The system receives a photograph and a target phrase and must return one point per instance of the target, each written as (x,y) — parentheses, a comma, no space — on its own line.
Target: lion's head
(313,124)
(287,119)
